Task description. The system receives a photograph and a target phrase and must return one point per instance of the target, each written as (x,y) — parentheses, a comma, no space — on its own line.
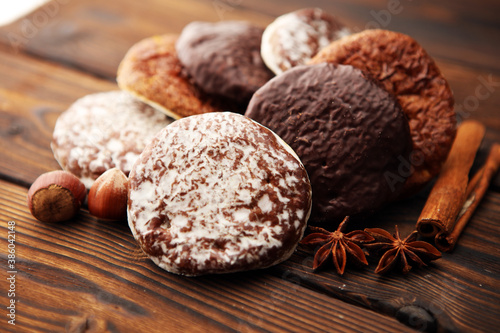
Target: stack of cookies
(320,123)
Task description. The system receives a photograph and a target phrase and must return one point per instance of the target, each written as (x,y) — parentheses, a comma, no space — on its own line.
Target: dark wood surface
(89,275)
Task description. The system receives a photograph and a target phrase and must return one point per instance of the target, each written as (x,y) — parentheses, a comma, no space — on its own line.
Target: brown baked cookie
(347,130)
(404,69)
(152,72)
(223,58)
(103,131)
(218,193)
(293,39)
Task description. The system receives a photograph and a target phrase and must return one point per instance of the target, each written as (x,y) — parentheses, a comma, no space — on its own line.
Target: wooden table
(89,276)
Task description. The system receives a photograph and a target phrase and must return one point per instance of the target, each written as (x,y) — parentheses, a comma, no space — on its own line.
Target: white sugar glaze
(102,131)
(292,39)
(218,192)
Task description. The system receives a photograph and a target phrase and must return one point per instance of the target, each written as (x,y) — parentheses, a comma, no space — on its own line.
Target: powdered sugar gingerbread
(217,193)
(293,39)
(102,131)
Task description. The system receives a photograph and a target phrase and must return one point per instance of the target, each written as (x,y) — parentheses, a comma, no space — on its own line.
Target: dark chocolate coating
(223,58)
(405,69)
(348,131)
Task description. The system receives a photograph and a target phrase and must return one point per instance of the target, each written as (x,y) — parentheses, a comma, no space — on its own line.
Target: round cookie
(102,131)
(223,58)
(293,39)
(152,72)
(348,131)
(218,193)
(404,69)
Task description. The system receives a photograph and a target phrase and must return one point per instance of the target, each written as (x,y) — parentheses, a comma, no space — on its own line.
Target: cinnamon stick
(448,195)
(475,192)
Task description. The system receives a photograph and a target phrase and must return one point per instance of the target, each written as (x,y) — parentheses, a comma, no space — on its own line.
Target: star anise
(337,245)
(408,251)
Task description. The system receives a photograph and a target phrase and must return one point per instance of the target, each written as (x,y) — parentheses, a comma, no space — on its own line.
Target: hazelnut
(108,195)
(56,196)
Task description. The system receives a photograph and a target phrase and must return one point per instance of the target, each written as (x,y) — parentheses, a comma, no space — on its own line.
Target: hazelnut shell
(108,196)
(56,196)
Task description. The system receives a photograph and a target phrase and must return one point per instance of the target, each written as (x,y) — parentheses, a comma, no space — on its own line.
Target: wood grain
(459,292)
(93,35)
(32,95)
(89,275)
(90,35)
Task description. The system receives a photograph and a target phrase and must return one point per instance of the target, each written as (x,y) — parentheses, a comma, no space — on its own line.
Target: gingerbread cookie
(102,131)
(152,72)
(347,130)
(294,38)
(404,69)
(223,58)
(218,193)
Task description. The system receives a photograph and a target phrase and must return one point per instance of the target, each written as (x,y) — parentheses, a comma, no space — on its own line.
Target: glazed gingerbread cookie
(405,69)
(102,131)
(152,72)
(347,130)
(293,39)
(218,193)
(223,58)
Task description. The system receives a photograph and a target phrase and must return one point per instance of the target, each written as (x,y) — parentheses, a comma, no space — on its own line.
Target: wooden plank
(90,275)
(32,95)
(458,293)
(476,94)
(94,35)
(451,31)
